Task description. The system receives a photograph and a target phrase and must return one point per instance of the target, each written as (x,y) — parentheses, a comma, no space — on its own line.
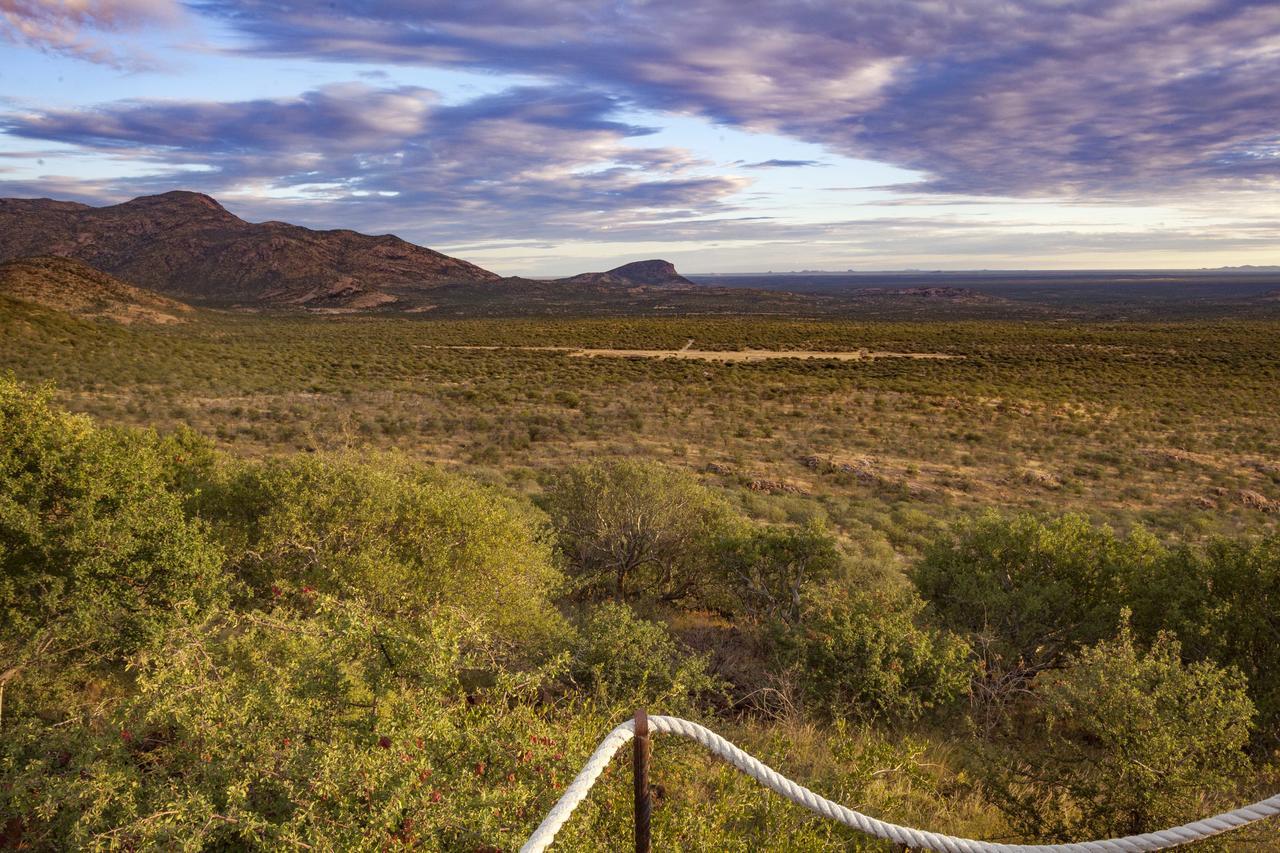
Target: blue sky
(544,137)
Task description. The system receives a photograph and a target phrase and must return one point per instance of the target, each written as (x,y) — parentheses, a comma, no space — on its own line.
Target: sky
(549,137)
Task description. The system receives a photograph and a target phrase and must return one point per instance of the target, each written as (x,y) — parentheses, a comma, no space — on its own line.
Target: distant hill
(652,273)
(186,244)
(69,285)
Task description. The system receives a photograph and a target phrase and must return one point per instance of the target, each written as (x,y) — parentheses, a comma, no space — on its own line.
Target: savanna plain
(383,581)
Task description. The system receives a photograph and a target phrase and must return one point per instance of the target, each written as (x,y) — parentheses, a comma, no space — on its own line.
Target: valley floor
(1171,425)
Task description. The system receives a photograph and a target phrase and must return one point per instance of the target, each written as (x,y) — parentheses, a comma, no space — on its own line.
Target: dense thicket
(208,652)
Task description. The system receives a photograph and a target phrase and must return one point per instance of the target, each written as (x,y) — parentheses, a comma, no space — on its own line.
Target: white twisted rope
(775,781)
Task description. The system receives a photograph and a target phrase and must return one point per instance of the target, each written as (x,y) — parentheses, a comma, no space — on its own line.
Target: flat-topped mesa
(186,244)
(651,273)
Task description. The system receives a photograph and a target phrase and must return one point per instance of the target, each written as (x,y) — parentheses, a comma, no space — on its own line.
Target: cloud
(1066,97)
(526,162)
(76,28)
(782,164)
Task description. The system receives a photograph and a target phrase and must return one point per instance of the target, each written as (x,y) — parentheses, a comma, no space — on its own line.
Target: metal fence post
(640,769)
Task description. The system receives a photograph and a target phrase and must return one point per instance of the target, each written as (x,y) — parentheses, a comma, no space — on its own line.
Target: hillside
(69,285)
(186,244)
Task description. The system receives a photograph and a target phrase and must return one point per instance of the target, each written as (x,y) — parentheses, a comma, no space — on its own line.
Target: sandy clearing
(751,354)
(711,355)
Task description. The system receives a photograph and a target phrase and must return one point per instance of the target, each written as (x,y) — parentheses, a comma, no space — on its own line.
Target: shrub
(863,655)
(405,540)
(1032,590)
(319,722)
(1247,578)
(637,530)
(627,661)
(96,555)
(1224,605)
(767,570)
(1124,741)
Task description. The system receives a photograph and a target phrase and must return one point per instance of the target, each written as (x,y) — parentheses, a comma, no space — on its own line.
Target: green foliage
(1124,741)
(319,721)
(637,530)
(1032,590)
(389,666)
(767,570)
(863,655)
(403,539)
(1223,603)
(96,555)
(627,662)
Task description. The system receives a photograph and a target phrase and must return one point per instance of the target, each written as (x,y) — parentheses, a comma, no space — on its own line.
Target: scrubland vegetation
(353,592)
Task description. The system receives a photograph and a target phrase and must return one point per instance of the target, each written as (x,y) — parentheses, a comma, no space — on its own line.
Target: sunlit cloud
(81,28)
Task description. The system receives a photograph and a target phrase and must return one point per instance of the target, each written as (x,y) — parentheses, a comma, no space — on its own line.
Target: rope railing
(796,793)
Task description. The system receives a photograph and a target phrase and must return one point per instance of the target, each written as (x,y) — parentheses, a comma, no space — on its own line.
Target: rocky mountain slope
(69,285)
(186,244)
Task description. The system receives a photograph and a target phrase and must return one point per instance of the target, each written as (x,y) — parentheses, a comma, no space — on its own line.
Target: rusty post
(640,767)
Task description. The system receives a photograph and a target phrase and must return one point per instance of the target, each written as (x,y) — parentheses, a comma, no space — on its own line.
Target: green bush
(1124,741)
(625,661)
(319,722)
(1032,590)
(96,555)
(864,655)
(766,571)
(403,539)
(1223,602)
(638,530)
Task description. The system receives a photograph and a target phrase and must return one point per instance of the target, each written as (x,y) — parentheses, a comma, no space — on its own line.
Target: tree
(1123,741)
(1029,591)
(767,570)
(637,530)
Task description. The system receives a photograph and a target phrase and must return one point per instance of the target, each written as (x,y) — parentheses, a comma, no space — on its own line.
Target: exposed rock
(1170,456)
(1256,500)
(1042,479)
(776,487)
(1262,466)
(865,469)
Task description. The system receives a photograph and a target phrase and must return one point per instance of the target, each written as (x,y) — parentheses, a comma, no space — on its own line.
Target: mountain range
(131,262)
(187,245)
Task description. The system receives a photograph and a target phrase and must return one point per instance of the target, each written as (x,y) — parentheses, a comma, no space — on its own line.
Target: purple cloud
(783,164)
(1110,97)
(68,28)
(525,162)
